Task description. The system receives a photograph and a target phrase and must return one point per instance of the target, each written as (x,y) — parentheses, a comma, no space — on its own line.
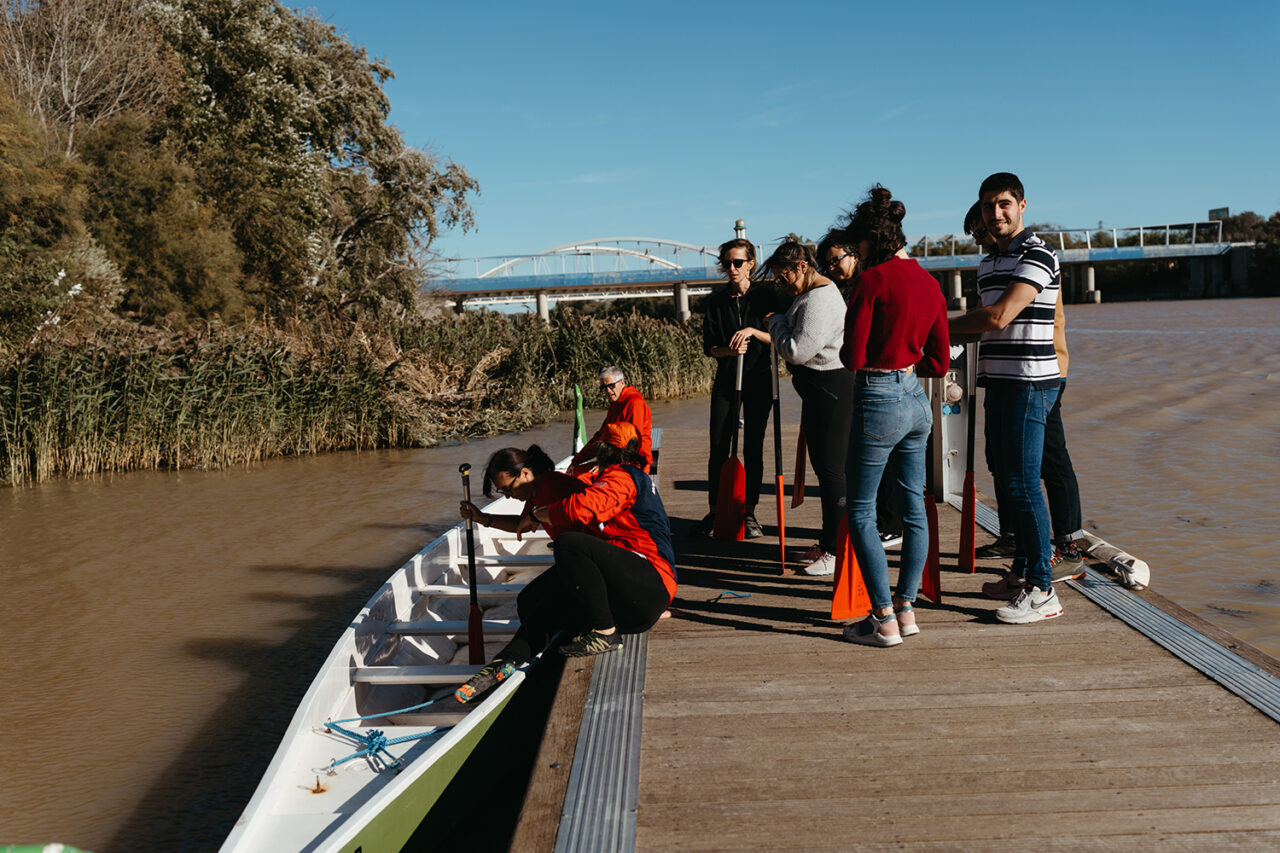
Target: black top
(727,314)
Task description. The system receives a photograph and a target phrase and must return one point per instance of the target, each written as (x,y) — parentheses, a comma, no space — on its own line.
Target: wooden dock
(763,730)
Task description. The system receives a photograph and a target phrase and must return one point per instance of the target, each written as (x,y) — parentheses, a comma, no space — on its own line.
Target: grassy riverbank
(129,397)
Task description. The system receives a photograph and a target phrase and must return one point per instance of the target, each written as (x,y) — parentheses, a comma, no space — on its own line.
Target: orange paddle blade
(931,583)
(731,502)
(797,487)
(968,521)
(850,599)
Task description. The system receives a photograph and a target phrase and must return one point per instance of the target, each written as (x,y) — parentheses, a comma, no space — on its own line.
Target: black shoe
(752,527)
(489,677)
(1070,554)
(705,526)
(1002,547)
(591,643)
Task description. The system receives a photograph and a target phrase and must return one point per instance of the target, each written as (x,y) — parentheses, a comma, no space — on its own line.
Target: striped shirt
(1022,351)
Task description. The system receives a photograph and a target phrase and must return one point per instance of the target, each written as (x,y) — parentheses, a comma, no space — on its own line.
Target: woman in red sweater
(614,571)
(895,332)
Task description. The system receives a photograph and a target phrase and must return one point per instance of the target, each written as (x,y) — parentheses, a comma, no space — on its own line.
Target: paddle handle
(475,619)
(737,406)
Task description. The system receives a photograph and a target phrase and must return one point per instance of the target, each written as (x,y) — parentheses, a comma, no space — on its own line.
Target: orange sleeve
(612,493)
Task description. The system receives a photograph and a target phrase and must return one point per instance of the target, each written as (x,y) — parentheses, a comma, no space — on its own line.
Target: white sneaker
(1030,605)
(867,632)
(889,540)
(824,565)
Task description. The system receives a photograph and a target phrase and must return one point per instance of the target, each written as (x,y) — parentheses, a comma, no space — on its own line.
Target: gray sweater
(811,332)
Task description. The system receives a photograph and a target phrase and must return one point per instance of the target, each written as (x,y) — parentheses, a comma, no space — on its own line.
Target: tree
(76,63)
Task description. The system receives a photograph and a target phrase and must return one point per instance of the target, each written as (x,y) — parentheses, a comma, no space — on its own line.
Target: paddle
(777,463)
(731,502)
(797,487)
(931,583)
(969,507)
(475,619)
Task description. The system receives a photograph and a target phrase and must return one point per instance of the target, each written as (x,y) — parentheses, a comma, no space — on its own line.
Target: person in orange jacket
(625,406)
(614,571)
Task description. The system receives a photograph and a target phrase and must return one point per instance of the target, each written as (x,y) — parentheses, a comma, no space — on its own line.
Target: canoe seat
(492,628)
(490,589)
(438,674)
(511,561)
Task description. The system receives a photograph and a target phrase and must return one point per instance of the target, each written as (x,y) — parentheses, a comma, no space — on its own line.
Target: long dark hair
(511,460)
(878,221)
(610,454)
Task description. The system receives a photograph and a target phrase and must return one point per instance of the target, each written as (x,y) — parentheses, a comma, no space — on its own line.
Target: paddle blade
(475,636)
(797,486)
(849,599)
(931,583)
(731,502)
(968,522)
(782,526)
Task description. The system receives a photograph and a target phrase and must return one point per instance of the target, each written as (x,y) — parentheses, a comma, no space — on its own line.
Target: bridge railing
(1186,233)
(609,254)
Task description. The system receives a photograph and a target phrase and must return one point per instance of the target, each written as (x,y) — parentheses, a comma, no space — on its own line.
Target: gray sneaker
(1030,605)
(824,565)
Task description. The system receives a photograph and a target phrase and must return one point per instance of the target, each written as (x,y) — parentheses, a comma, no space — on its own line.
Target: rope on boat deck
(375,742)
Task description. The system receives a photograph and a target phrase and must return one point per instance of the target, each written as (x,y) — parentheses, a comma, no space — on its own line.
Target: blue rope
(375,742)
(729,593)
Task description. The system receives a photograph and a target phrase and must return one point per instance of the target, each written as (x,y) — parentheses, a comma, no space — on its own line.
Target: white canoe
(407,645)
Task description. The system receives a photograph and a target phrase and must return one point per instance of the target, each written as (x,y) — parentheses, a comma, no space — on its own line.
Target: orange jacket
(632,408)
(604,509)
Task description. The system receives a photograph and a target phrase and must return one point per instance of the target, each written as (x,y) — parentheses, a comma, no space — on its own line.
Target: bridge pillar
(1240,268)
(681,293)
(1091,292)
(459,305)
(544,307)
(955,292)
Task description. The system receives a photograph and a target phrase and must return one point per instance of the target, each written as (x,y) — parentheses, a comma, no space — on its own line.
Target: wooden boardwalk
(764,730)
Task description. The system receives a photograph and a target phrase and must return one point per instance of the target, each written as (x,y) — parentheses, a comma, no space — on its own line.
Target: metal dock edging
(1247,680)
(604,783)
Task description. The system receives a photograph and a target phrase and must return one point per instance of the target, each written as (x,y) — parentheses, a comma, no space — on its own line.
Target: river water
(161,626)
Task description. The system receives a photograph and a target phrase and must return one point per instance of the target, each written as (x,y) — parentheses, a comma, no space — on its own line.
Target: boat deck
(762,729)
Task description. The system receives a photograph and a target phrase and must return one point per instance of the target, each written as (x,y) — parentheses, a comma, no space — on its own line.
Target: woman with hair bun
(808,335)
(895,331)
(614,569)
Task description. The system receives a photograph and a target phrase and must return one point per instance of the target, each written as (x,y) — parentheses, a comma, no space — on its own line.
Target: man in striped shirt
(1017,365)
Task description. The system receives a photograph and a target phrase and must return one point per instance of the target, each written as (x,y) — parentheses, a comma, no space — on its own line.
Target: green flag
(579,422)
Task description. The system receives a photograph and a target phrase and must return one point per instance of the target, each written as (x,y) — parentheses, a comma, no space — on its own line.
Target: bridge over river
(637,267)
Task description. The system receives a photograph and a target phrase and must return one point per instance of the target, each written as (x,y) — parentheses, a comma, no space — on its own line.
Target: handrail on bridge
(1191,228)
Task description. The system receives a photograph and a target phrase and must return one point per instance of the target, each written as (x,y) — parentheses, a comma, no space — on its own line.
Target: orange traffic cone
(850,599)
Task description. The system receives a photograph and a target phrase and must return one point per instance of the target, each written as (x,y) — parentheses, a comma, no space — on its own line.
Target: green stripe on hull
(393,826)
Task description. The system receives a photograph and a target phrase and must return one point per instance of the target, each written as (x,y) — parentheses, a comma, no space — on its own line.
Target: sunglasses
(737,263)
(607,385)
(835,262)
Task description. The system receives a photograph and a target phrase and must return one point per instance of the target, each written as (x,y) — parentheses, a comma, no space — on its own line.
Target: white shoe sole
(1028,618)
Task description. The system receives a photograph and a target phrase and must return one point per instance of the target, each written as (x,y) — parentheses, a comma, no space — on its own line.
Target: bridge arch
(653,251)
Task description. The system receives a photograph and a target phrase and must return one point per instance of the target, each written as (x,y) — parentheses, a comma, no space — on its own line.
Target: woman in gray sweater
(809,335)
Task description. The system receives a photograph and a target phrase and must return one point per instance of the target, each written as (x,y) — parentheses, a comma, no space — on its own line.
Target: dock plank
(763,730)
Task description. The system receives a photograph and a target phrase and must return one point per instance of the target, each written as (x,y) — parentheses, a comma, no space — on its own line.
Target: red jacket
(896,319)
(604,509)
(551,488)
(631,408)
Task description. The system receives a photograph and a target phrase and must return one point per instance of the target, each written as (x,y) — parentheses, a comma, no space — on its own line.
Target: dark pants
(1056,470)
(826,412)
(592,584)
(757,400)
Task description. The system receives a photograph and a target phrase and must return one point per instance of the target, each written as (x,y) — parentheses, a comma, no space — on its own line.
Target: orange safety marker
(849,599)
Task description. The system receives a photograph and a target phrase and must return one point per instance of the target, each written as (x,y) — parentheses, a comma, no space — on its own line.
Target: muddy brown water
(161,626)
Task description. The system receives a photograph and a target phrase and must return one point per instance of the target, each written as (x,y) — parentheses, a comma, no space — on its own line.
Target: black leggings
(757,401)
(826,412)
(592,584)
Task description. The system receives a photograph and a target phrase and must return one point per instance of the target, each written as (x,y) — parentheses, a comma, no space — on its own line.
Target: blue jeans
(891,421)
(1016,413)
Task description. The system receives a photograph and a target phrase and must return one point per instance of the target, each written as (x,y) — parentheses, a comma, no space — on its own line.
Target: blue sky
(672,120)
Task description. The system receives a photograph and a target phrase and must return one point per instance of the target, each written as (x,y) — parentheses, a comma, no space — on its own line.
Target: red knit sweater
(896,318)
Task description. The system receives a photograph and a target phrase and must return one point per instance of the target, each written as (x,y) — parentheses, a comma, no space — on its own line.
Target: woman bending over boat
(614,571)
(895,331)
(808,335)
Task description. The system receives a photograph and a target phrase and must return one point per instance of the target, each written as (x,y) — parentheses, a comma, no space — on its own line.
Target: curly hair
(878,221)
